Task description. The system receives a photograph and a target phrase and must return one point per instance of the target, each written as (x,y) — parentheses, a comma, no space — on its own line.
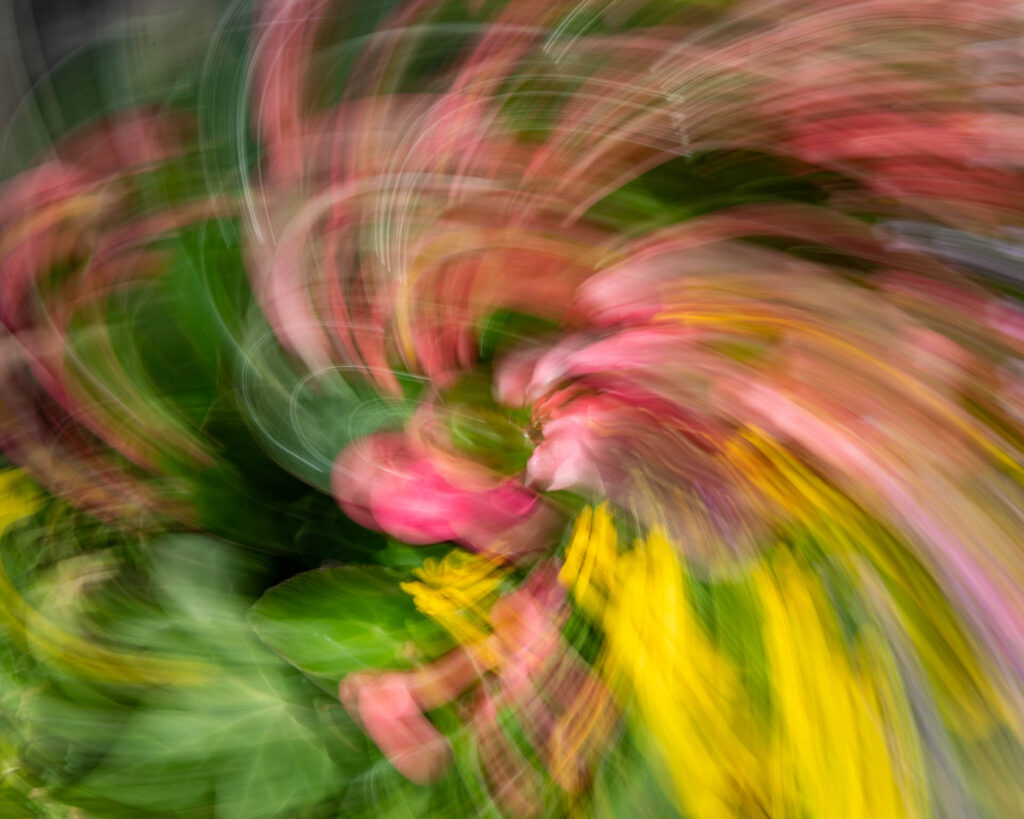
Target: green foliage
(331,622)
(631,780)
(704,182)
(244,739)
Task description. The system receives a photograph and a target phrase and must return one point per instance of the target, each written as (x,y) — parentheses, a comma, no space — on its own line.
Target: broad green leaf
(331,622)
(287,766)
(244,742)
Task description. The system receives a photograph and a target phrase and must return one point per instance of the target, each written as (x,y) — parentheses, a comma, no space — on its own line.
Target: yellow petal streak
(837,741)
(457,592)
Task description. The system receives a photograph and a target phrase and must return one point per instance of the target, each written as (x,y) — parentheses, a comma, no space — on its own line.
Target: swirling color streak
(695,331)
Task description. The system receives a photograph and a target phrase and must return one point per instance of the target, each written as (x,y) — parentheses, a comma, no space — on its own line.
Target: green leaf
(331,622)
(631,780)
(244,742)
(287,766)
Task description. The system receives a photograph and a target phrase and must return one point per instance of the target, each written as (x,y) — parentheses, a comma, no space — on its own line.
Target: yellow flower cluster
(837,740)
(967,697)
(457,592)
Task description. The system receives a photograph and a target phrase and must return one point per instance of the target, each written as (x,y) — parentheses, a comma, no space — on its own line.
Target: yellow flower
(18,497)
(457,591)
(839,739)
(658,655)
(843,742)
(967,696)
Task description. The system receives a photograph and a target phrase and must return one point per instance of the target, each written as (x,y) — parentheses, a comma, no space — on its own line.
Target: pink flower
(388,710)
(383,483)
(525,377)
(647,454)
(392,706)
